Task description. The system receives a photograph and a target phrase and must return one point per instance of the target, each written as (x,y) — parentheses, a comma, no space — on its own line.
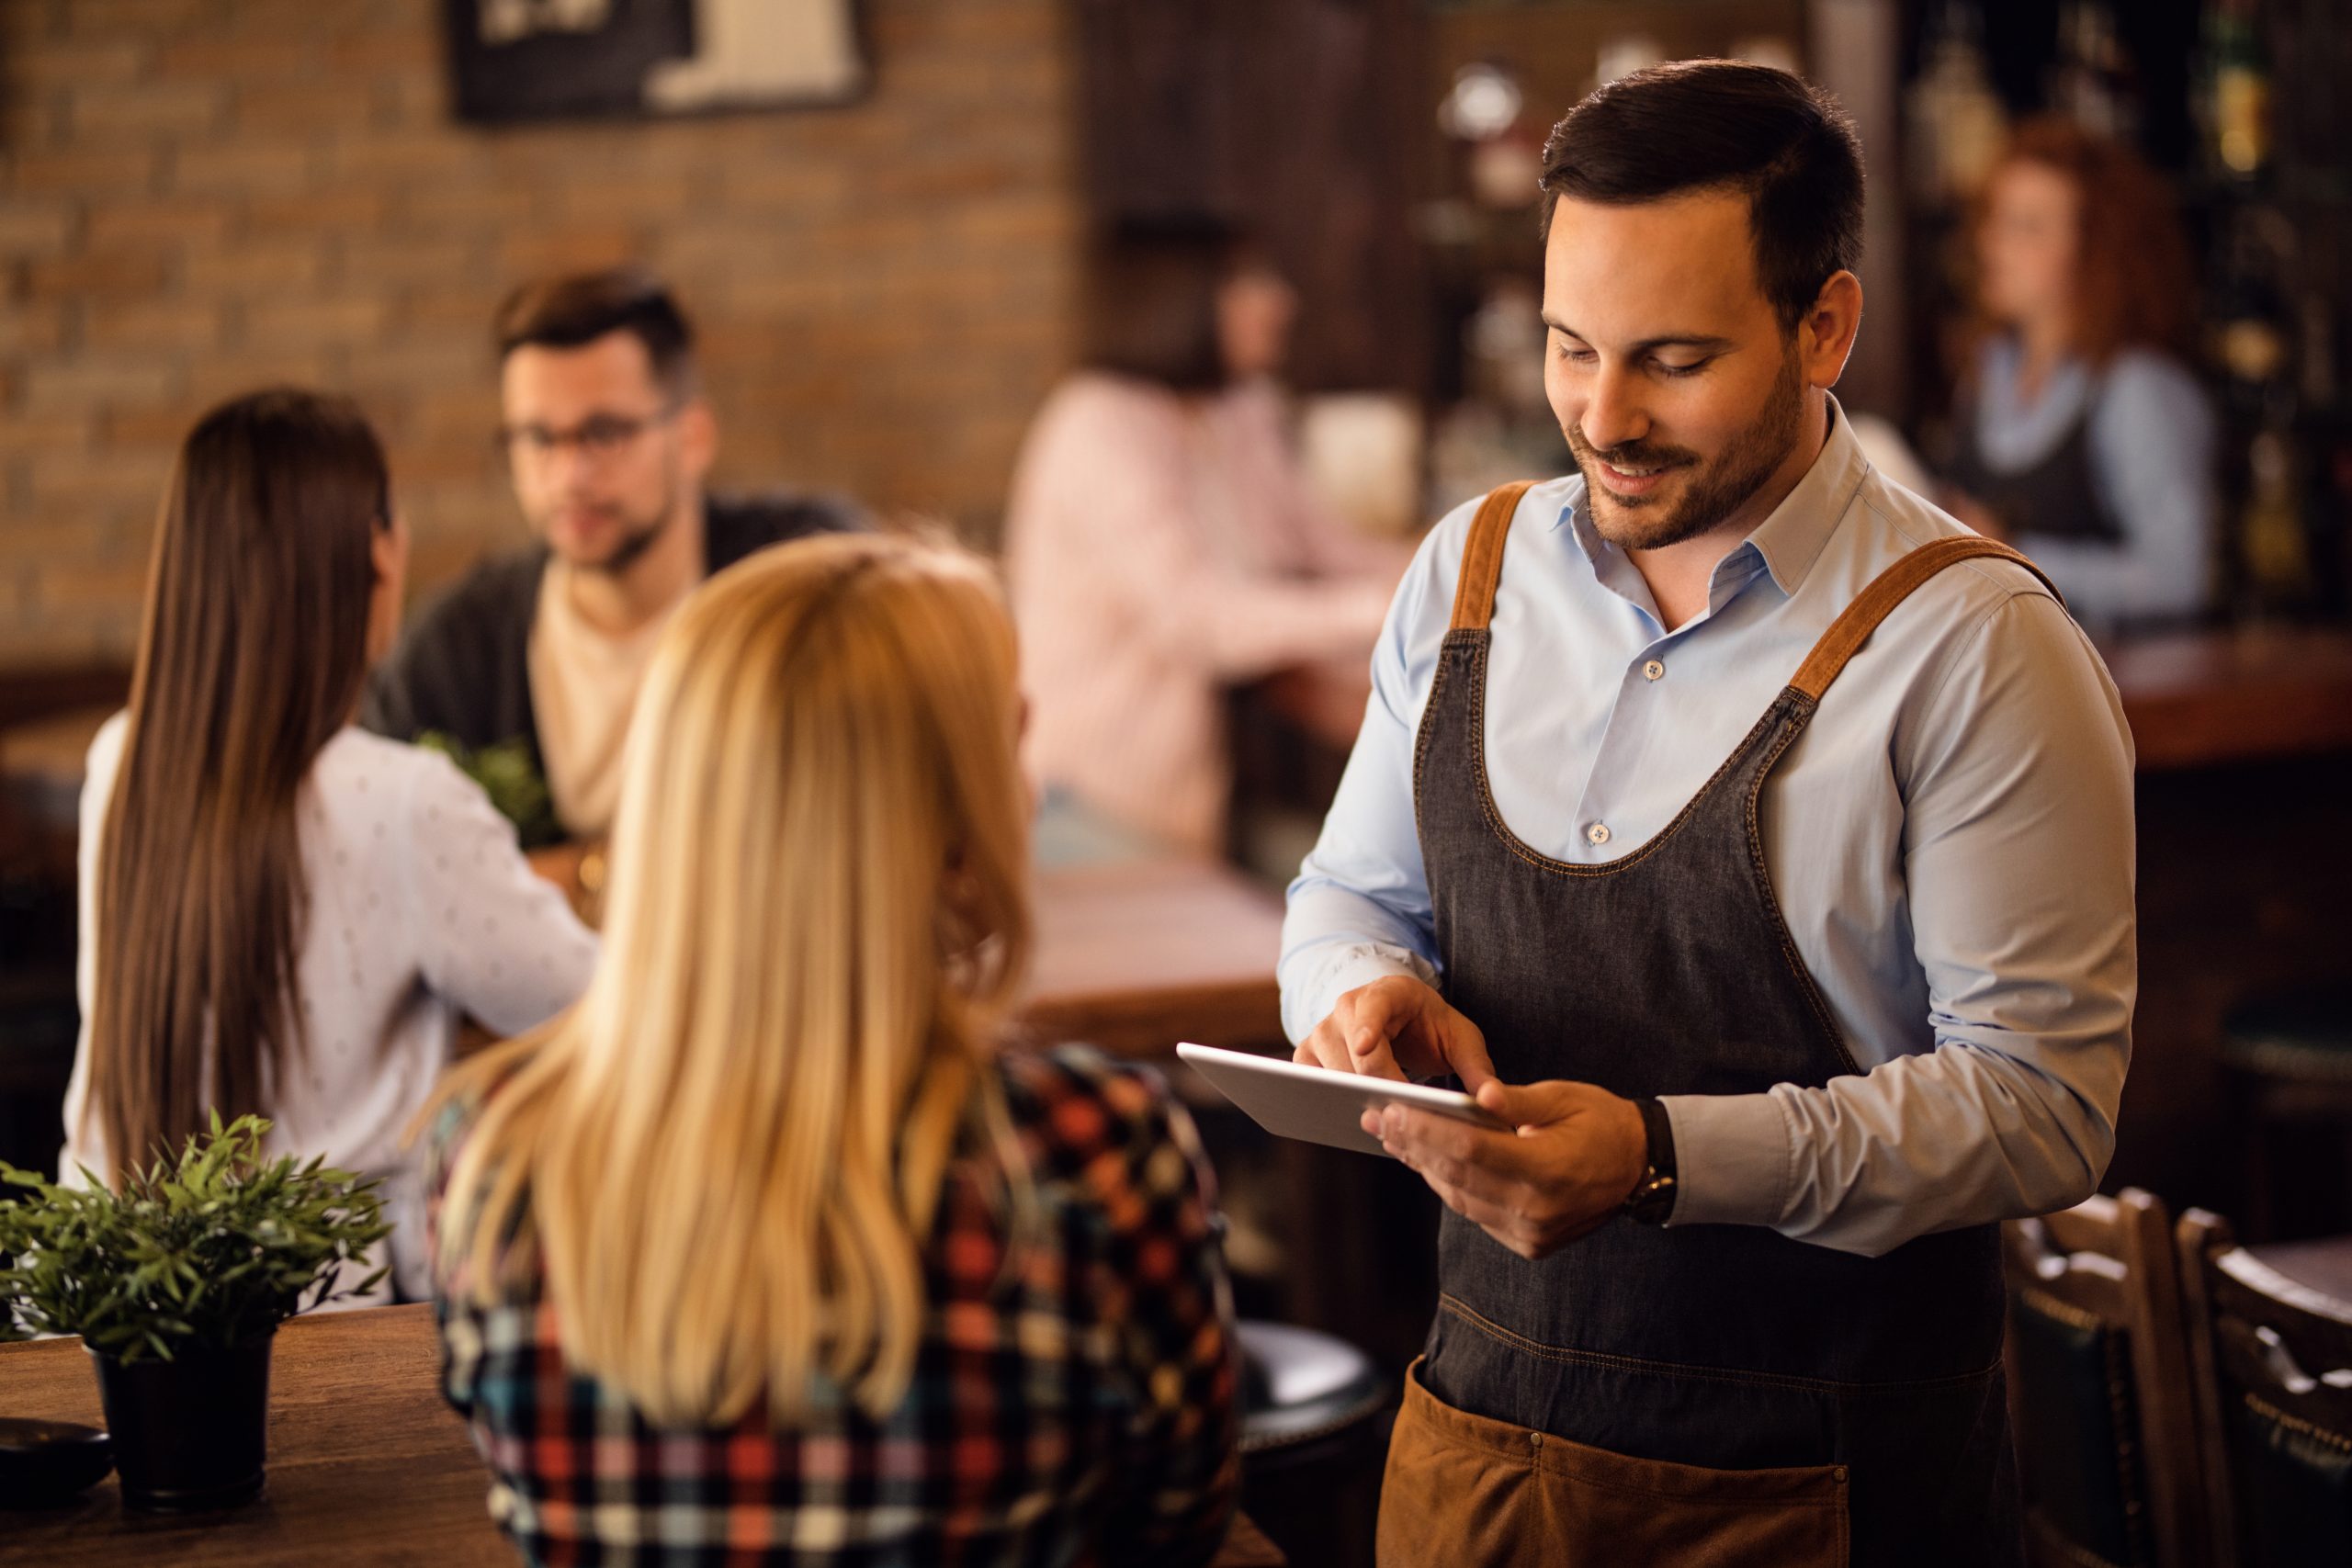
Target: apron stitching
(1428,711)
(1472,1318)
(1802,709)
(1528,852)
(1698,1499)
(1549,1458)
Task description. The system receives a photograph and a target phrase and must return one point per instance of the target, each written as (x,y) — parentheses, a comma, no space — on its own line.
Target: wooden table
(1133,955)
(367,1465)
(2192,698)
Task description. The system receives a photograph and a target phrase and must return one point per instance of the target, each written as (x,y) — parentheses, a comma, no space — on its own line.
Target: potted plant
(176,1284)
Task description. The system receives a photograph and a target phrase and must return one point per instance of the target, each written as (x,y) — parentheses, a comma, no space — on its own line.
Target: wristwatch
(1652,1200)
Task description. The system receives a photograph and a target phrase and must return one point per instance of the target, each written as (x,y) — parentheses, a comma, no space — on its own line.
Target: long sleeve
(2152,445)
(85,1142)
(491,936)
(1110,466)
(1360,907)
(2018,858)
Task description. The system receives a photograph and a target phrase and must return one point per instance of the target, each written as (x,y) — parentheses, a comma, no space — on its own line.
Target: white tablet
(1316,1104)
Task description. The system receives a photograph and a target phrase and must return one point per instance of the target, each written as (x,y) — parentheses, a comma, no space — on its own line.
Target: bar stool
(1313,1440)
(2288,1058)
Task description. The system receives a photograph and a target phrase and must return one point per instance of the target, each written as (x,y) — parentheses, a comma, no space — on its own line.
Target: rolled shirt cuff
(1732,1154)
(1356,963)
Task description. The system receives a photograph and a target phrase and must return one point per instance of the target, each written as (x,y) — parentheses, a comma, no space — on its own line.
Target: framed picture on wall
(525,60)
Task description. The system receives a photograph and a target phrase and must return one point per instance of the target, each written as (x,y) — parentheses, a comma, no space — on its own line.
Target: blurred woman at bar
(281,913)
(765,1245)
(1161,538)
(2083,437)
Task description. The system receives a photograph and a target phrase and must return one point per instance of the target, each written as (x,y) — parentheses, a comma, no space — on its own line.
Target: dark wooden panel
(1297,118)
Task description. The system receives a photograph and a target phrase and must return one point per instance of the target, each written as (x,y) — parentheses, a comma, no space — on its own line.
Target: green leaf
(207,1245)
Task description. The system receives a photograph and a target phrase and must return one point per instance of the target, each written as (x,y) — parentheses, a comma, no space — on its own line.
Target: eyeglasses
(598,436)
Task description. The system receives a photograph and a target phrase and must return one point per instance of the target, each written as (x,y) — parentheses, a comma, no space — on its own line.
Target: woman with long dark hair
(281,913)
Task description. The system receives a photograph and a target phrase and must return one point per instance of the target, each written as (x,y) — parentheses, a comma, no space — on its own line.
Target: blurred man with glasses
(529,668)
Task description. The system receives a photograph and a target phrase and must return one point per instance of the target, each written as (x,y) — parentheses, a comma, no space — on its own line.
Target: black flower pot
(189,1433)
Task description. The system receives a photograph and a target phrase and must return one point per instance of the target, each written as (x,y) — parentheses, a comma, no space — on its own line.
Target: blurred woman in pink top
(1161,539)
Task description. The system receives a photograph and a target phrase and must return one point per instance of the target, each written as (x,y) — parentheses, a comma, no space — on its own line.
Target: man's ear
(1830,326)
(697,435)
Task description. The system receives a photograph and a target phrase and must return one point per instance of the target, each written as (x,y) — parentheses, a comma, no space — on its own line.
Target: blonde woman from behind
(764,1251)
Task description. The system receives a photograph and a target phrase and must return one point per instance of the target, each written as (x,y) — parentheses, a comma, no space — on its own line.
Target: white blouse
(422,908)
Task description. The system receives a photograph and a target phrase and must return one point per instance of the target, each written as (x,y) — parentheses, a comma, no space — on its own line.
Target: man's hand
(1398,1028)
(1575,1154)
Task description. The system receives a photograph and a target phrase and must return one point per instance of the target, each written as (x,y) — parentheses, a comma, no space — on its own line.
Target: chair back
(2272,1360)
(2098,1381)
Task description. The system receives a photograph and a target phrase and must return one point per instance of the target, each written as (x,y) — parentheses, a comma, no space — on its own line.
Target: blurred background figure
(279,912)
(770,1213)
(1163,541)
(2082,435)
(608,437)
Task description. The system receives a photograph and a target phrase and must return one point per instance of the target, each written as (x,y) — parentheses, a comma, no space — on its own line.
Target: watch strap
(1651,1202)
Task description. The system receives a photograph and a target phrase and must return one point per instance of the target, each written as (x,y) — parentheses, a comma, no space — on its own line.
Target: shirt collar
(1786,544)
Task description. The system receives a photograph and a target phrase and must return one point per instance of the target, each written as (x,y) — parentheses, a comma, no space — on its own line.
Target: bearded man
(1755,843)
(538,656)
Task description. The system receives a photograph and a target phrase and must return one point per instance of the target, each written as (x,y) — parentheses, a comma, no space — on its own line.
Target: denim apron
(1715,1395)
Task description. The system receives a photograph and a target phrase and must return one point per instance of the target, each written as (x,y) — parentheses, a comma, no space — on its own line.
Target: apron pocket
(1464,1489)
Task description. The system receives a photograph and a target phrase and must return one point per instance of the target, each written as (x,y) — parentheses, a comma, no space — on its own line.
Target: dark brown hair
(1697,125)
(568,313)
(250,659)
(2133,281)
(1150,301)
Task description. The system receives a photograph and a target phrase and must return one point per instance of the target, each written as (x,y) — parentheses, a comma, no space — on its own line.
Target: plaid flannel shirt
(1076,1407)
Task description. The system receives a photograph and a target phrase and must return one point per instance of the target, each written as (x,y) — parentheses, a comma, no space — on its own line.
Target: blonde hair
(731,1150)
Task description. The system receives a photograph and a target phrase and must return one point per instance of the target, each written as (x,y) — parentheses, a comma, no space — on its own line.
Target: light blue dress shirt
(2152,450)
(1950,840)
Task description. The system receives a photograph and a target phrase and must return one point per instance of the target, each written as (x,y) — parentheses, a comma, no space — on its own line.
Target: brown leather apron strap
(1482,556)
(1889,588)
(1482,570)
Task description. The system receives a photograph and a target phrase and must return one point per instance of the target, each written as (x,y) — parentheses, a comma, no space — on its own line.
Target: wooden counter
(2250,694)
(367,1464)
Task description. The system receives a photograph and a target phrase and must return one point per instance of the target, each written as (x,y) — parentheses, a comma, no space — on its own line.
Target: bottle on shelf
(2237,97)
(2250,337)
(2093,83)
(2273,535)
(1955,121)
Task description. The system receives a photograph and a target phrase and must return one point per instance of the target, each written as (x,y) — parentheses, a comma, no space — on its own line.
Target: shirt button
(1654,670)
(1598,832)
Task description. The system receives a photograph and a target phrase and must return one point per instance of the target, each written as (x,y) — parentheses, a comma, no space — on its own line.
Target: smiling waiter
(1756,842)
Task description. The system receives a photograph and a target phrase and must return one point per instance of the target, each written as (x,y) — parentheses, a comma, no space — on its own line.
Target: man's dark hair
(1698,125)
(1149,301)
(567,312)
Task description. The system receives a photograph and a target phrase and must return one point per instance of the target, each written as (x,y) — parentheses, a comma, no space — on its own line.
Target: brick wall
(200,196)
